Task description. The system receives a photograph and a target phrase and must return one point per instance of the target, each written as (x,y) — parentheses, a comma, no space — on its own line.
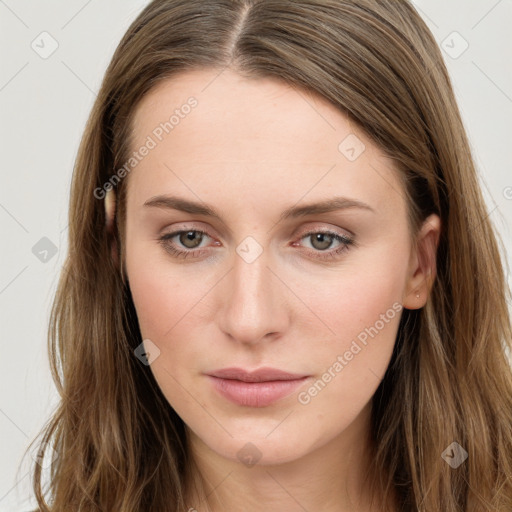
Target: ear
(110,212)
(422,264)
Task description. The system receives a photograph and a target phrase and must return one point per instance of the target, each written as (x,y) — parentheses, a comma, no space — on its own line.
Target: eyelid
(185,227)
(326,227)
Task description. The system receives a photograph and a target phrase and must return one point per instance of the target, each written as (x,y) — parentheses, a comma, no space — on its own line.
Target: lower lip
(255,394)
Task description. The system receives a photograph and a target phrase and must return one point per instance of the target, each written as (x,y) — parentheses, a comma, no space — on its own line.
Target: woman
(283,291)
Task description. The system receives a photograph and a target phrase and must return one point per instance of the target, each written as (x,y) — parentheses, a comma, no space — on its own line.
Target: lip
(258,388)
(264,374)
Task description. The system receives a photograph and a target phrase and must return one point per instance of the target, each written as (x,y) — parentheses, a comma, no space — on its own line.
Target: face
(230,265)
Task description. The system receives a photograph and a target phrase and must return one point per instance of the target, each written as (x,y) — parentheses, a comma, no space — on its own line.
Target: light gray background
(44,105)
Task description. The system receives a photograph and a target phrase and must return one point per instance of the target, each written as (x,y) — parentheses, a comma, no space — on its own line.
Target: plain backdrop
(53,56)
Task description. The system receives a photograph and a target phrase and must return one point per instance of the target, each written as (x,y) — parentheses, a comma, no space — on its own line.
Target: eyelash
(345,241)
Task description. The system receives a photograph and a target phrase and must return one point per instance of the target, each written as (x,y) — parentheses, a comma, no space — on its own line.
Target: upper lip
(259,375)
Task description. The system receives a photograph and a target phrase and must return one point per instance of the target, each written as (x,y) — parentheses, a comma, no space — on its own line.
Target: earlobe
(422,268)
(110,211)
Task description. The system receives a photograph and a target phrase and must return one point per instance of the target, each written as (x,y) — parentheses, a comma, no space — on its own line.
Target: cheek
(362,311)
(161,297)
(156,303)
(165,306)
(364,292)
(362,323)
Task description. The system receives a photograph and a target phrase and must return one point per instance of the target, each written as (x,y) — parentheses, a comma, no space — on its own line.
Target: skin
(251,149)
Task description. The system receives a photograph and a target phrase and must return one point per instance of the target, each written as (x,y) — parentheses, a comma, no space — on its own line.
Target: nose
(254,306)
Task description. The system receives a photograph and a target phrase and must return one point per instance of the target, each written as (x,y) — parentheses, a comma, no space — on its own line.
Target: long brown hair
(120,446)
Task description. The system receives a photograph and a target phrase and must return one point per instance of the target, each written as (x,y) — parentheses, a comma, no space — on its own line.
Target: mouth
(258,388)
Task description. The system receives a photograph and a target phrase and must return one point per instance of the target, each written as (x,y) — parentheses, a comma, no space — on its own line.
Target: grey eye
(190,239)
(321,241)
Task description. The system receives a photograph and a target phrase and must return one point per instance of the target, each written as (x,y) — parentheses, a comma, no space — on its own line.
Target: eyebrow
(201,208)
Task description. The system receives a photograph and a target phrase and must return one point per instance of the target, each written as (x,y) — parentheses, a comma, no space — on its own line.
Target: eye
(189,239)
(322,240)
(188,243)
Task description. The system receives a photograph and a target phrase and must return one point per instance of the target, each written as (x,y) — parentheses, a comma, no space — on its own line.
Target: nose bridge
(250,275)
(250,305)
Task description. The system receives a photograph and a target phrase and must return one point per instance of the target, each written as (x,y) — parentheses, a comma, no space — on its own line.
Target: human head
(378,65)
(257,293)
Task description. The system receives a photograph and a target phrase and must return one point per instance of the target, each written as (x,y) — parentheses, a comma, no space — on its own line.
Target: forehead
(249,135)
(242,114)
